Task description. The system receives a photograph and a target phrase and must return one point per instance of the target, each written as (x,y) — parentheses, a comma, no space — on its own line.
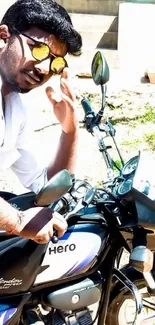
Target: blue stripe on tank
(91,228)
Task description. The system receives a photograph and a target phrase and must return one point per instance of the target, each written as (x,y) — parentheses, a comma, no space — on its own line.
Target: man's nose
(43,66)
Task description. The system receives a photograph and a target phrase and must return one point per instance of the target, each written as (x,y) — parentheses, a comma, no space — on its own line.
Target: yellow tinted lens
(58,64)
(40,51)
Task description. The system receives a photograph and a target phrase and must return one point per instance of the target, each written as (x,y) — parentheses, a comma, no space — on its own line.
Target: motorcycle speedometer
(130,167)
(125,187)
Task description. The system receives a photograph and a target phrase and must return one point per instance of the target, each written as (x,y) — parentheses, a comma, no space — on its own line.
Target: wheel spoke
(124,308)
(149,304)
(147,316)
(148,320)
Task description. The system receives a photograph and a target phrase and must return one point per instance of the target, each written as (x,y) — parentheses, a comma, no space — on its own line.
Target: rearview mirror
(55,188)
(100,69)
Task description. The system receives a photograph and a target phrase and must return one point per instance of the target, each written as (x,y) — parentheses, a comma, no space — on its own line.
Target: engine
(76,295)
(67,304)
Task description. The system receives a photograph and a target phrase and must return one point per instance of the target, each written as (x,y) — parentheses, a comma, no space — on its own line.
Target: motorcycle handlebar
(86,106)
(64,203)
(59,206)
(91,118)
(56,208)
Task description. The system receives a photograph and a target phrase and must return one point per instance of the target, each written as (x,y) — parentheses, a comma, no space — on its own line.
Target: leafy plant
(118,163)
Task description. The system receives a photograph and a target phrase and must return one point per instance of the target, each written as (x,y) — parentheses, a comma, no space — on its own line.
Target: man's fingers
(44,240)
(45,235)
(51,95)
(66,74)
(60,224)
(66,89)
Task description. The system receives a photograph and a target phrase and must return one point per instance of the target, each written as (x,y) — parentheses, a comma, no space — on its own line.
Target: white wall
(4,5)
(136,41)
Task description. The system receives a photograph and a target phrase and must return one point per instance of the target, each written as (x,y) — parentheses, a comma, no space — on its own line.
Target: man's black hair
(47,15)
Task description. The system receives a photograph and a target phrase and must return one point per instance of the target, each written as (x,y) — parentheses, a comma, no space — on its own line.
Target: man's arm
(36,223)
(27,167)
(65,157)
(8,216)
(64,110)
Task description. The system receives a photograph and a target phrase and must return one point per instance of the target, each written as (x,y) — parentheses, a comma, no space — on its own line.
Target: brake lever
(89,197)
(82,203)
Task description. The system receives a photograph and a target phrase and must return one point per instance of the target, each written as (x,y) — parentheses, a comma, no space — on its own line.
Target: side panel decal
(6,315)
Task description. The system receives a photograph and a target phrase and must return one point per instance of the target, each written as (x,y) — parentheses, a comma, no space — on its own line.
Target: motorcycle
(77,279)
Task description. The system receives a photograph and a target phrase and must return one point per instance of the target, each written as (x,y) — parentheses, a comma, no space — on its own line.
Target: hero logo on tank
(62,249)
(73,254)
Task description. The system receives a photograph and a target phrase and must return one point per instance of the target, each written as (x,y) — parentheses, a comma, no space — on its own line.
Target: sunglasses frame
(51,55)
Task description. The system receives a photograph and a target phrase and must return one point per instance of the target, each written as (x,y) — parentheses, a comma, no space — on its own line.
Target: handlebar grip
(86,106)
(56,206)
(54,238)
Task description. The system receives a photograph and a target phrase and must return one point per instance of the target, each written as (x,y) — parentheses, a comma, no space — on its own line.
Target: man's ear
(4,35)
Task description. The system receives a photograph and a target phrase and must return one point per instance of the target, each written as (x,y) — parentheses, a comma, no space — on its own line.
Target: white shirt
(15,144)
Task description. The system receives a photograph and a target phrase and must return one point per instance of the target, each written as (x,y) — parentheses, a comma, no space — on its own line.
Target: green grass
(133,142)
(150,140)
(148,116)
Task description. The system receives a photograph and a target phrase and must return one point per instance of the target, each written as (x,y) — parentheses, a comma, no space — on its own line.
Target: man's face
(18,68)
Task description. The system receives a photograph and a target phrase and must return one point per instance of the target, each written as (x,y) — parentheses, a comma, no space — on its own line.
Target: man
(35,36)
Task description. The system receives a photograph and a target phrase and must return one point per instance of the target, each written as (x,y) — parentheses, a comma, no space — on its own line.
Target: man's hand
(65,108)
(38,224)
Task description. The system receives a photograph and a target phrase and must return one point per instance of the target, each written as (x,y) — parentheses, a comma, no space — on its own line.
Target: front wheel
(122,308)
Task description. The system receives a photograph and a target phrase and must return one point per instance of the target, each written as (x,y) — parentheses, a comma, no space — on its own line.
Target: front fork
(113,272)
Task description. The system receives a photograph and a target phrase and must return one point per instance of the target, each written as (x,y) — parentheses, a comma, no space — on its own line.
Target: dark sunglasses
(41,51)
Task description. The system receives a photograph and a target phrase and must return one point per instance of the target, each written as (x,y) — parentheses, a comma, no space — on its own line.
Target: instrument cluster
(128,173)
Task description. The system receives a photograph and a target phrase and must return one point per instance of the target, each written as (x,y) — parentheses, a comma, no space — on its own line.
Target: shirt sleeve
(27,168)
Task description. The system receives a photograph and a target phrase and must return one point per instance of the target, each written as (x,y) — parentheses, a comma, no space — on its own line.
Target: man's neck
(6,90)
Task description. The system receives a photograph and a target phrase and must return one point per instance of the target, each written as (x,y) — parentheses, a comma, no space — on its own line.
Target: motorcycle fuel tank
(74,253)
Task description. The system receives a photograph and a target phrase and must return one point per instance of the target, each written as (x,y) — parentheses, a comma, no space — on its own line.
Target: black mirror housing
(100,69)
(55,188)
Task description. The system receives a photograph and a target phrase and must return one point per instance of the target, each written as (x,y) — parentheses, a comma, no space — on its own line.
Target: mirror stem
(101,111)
(103,90)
